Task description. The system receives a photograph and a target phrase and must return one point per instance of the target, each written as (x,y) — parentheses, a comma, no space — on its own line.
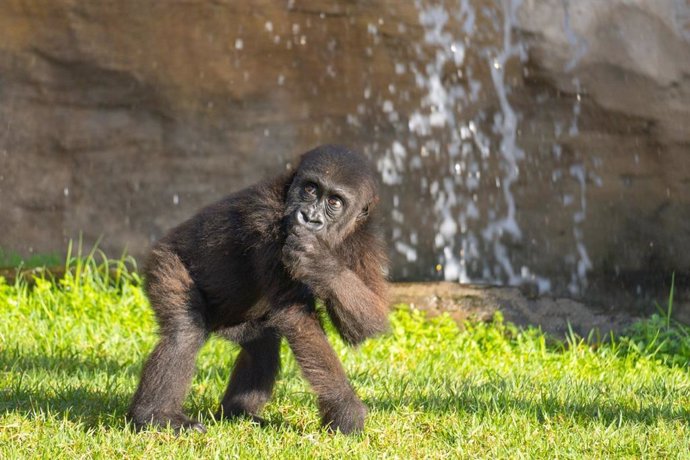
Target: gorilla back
(249,268)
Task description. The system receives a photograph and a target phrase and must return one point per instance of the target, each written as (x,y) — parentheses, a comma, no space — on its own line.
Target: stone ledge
(553,315)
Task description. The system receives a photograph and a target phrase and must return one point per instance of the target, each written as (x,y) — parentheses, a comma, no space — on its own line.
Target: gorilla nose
(311,222)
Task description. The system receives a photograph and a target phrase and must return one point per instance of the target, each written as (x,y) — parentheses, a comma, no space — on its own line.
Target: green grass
(9,259)
(71,351)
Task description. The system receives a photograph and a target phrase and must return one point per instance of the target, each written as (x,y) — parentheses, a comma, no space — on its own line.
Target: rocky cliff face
(630,61)
(557,152)
(120,119)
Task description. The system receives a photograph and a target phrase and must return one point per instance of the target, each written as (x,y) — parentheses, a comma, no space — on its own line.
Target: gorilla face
(331,193)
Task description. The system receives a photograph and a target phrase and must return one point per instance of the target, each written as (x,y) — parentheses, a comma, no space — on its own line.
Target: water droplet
(268,26)
(66,191)
(176,199)
(239,44)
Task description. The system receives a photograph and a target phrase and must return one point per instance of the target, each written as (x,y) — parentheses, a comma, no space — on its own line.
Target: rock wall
(119,119)
(630,61)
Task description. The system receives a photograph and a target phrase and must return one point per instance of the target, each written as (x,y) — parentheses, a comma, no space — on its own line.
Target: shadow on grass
(43,385)
(84,406)
(59,397)
(98,408)
(22,361)
(490,398)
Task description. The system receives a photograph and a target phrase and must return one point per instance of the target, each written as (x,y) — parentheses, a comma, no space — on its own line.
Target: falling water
(476,230)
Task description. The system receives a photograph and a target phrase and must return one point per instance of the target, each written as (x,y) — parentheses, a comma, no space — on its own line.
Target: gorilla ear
(363,214)
(366,210)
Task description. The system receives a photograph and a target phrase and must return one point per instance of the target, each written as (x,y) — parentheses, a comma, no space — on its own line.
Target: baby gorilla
(249,268)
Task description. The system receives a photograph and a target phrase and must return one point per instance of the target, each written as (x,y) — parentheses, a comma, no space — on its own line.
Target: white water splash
(477,228)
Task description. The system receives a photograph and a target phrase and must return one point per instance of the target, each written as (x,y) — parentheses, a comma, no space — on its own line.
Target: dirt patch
(553,315)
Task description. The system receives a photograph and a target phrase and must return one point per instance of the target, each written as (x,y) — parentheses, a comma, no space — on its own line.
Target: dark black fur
(249,268)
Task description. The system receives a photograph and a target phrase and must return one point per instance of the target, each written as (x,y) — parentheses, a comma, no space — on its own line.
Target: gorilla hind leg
(253,377)
(165,379)
(168,372)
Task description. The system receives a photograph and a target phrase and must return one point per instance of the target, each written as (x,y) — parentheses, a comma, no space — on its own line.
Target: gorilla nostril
(303,218)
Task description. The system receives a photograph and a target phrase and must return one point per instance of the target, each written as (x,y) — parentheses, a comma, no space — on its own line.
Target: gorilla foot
(347,418)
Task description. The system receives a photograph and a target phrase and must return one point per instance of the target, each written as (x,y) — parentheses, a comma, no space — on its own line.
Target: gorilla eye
(335,202)
(310,188)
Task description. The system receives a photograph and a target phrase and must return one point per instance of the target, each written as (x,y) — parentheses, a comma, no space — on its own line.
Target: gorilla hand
(308,259)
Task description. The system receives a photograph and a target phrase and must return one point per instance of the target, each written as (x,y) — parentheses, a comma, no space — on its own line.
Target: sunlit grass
(71,351)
